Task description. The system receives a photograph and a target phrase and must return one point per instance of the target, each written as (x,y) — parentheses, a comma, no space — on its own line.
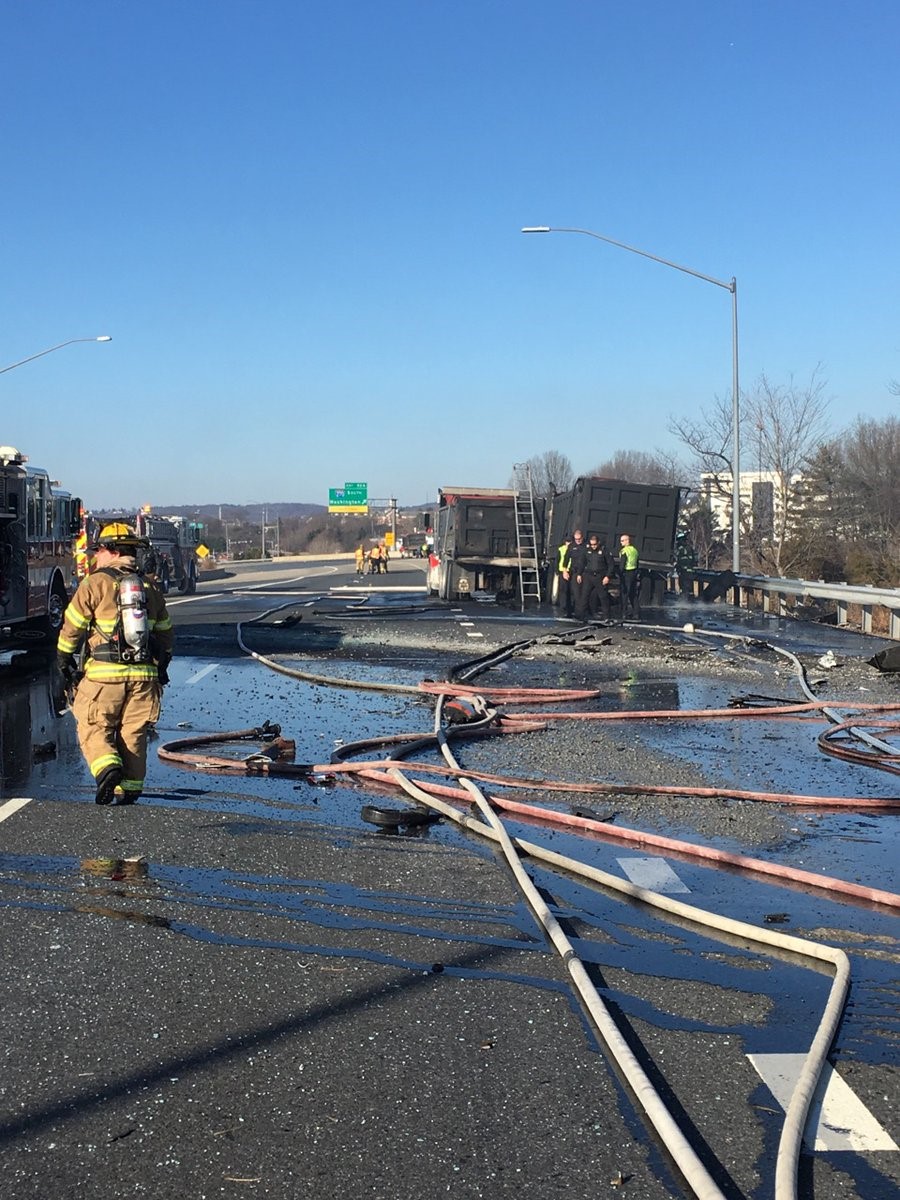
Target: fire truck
(38,521)
(171,558)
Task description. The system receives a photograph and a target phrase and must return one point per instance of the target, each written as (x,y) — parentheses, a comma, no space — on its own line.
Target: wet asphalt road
(241,988)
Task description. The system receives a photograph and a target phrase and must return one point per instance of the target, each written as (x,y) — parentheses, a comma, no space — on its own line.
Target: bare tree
(708,440)
(870,455)
(789,425)
(637,466)
(551,472)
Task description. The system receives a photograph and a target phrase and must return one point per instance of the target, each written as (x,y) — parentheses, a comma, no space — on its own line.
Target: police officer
(597,570)
(577,582)
(628,578)
(127,651)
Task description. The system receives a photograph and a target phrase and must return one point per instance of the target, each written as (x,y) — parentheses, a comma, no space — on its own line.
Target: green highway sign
(351,498)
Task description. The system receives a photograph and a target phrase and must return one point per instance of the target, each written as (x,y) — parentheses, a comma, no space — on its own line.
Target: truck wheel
(56,608)
(443,587)
(192,579)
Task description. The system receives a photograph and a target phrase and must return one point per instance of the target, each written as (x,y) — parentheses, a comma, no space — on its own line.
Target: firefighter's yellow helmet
(119,536)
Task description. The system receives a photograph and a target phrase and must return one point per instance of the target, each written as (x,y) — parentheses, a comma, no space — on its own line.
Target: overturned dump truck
(487,541)
(610,507)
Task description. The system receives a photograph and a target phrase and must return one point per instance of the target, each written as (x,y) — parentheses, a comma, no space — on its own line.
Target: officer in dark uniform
(577,582)
(597,572)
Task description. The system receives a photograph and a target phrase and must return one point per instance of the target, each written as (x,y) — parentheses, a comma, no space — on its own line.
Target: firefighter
(360,556)
(121,622)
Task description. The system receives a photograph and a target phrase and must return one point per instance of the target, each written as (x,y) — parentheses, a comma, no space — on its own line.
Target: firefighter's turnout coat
(116,702)
(94,613)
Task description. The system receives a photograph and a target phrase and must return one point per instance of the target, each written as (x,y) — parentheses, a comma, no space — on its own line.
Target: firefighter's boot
(107,782)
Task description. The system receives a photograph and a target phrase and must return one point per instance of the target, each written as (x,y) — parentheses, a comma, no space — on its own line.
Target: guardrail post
(867,618)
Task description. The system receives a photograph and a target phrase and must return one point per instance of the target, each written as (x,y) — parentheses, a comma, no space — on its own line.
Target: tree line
(815,503)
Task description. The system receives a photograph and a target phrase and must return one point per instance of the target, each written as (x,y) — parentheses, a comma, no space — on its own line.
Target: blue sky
(300,224)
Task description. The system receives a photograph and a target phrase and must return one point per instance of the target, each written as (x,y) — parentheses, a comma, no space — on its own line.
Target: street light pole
(735,392)
(105,337)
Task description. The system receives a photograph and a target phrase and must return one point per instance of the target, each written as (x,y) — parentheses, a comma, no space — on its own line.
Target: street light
(104,337)
(735,394)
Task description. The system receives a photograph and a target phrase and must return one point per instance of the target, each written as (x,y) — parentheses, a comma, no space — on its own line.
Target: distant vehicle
(172,555)
(38,521)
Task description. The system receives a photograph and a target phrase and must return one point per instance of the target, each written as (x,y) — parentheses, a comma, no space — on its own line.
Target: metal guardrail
(872,610)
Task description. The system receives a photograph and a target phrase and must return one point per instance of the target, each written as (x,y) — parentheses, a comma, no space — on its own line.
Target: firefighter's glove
(162,670)
(68,668)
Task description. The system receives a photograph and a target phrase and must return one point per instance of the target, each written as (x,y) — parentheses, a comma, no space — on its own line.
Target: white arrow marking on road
(198,675)
(654,874)
(840,1119)
(13,806)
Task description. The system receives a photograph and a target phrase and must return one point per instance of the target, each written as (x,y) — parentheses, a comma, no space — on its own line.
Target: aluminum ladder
(526,536)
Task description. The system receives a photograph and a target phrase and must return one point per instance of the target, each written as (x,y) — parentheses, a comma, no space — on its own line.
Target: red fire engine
(171,554)
(38,521)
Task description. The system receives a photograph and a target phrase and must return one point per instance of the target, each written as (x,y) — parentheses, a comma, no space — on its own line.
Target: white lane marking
(840,1119)
(13,806)
(464,623)
(198,675)
(472,633)
(172,602)
(654,874)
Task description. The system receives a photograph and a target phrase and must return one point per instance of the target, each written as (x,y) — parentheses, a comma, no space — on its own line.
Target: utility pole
(264,517)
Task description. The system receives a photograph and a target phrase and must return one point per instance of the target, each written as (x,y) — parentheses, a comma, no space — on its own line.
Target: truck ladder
(526,537)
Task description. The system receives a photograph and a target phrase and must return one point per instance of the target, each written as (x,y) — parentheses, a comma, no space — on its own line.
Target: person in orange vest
(385,557)
(375,560)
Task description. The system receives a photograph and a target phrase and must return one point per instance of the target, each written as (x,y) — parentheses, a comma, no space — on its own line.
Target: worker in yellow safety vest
(118,620)
(563,576)
(628,578)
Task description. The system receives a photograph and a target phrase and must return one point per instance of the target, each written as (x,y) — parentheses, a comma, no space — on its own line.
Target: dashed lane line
(655,874)
(202,673)
(469,626)
(838,1119)
(12,806)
